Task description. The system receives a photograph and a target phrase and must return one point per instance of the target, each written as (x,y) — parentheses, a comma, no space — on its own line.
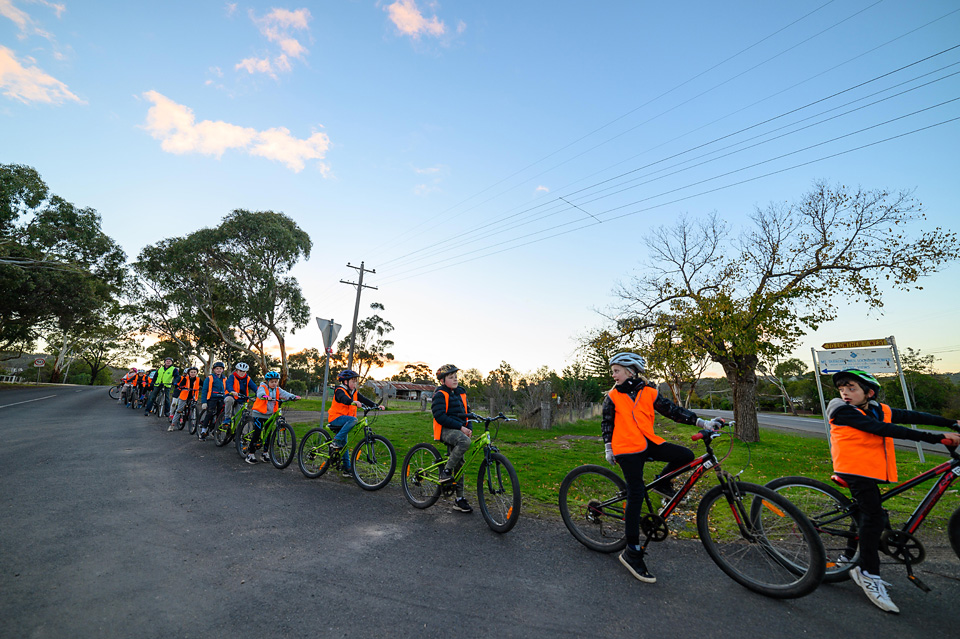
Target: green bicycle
(223,434)
(276,438)
(374,458)
(498,489)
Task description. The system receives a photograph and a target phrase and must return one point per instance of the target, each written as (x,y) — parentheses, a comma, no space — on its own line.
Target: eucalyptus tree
(753,297)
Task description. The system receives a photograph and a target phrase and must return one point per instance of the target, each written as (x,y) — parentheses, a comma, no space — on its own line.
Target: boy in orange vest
(449,408)
(629,441)
(269,396)
(862,431)
(342,415)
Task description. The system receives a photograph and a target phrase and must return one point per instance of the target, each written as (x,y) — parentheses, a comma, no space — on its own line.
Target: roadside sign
(39,362)
(872,360)
(863,343)
(329,351)
(329,330)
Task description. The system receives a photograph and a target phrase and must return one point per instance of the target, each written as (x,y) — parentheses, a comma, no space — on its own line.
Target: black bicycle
(757,537)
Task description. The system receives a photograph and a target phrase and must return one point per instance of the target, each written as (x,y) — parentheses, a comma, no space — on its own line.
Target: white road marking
(28,401)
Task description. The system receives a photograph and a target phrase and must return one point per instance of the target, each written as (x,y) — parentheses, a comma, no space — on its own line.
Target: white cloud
(27,26)
(461,27)
(178,131)
(230,7)
(541,189)
(278,27)
(427,171)
(406,16)
(30,83)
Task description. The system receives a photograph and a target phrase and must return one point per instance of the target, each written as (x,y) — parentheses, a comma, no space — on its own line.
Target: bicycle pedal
(918,583)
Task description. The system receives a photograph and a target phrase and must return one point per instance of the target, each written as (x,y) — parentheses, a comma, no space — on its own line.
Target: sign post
(39,363)
(329,331)
(875,356)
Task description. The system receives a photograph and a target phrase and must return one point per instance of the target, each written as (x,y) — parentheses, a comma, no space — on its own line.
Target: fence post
(545,408)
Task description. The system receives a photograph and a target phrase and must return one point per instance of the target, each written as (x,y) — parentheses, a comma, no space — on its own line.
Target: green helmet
(865,379)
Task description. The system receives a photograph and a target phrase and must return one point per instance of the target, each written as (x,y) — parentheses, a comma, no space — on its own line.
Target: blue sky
(434,140)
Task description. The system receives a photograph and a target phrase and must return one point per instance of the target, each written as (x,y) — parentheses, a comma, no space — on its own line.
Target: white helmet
(630,360)
(242,367)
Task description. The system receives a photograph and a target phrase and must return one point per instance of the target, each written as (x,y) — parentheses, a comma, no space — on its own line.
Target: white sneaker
(265,456)
(251,459)
(876,590)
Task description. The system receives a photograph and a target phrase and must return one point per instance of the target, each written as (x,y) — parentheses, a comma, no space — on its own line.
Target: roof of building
(406,386)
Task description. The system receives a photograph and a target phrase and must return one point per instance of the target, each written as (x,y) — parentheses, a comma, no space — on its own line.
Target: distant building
(401,390)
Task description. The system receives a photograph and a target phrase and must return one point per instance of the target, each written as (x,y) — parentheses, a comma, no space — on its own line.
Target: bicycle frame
(482,442)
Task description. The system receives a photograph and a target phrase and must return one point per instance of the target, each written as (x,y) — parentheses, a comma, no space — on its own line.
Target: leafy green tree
(371,345)
(110,344)
(418,373)
(752,299)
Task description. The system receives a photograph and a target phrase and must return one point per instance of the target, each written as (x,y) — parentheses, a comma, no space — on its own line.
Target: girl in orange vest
(189,387)
(629,441)
(269,396)
(862,431)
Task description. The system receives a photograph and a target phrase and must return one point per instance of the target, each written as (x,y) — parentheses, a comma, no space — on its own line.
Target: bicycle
(374,457)
(188,416)
(223,433)
(115,391)
(498,489)
(834,517)
(755,536)
(159,407)
(276,438)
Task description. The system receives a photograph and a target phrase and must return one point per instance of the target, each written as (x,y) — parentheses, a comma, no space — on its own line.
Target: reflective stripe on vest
(857,452)
(210,384)
(165,376)
(187,388)
(339,410)
(262,403)
(633,421)
(437,427)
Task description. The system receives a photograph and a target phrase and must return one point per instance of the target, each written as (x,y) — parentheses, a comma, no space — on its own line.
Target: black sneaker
(462,505)
(347,472)
(633,560)
(446,476)
(666,489)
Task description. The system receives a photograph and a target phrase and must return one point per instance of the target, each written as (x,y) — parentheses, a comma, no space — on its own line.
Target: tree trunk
(743,382)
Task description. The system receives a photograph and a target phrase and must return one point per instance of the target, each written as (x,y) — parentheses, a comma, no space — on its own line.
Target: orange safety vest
(633,421)
(339,410)
(237,385)
(261,404)
(857,452)
(437,427)
(187,389)
(210,385)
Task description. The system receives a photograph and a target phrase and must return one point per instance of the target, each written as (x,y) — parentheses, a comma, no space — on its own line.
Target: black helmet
(865,379)
(347,374)
(220,364)
(445,370)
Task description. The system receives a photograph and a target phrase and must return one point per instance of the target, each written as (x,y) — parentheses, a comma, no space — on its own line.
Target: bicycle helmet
(220,364)
(863,378)
(445,370)
(133,369)
(347,374)
(141,371)
(168,359)
(272,375)
(242,367)
(193,368)
(630,360)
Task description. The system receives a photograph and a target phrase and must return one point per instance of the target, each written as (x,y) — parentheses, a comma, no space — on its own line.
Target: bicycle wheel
(192,423)
(829,511)
(953,531)
(592,502)
(313,456)
(242,438)
(283,445)
(222,434)
(498,493)
(420,475)
(115,392)
(374,462)
(772,550)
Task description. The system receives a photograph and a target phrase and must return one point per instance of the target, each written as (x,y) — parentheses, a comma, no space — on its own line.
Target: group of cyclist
(862,433)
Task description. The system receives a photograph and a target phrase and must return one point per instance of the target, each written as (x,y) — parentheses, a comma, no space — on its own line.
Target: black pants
(871,520)
(214,404)
(632,467)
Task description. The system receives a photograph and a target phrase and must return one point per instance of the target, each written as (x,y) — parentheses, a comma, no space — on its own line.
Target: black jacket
(843,414)
(453,416)
(661,404)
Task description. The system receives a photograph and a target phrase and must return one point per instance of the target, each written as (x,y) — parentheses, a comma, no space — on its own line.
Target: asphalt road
(112,527)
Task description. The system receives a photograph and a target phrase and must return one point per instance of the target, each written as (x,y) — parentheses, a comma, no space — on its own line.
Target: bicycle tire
(242,438)
(195,422)
(283,445)
(953,531)
(114,392)
(223,434)
(592,503)
(498,493)
(421,485)
(374,462)
(313,455)
(824,506)
(756,558)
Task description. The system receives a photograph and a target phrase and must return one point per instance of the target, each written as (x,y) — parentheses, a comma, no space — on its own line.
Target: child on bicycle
(129,380)
(629,441)
(189,387)
(212,393)
(449,408)
(269,396)
(239,383)
(342,416)
(862,431)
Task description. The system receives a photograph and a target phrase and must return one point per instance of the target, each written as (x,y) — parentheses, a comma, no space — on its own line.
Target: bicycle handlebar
(712,433)
(473,417)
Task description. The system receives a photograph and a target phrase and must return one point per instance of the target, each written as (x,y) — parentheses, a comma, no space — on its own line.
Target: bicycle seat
(837,479)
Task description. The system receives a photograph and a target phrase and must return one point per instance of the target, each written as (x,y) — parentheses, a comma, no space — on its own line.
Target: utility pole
(356,309)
